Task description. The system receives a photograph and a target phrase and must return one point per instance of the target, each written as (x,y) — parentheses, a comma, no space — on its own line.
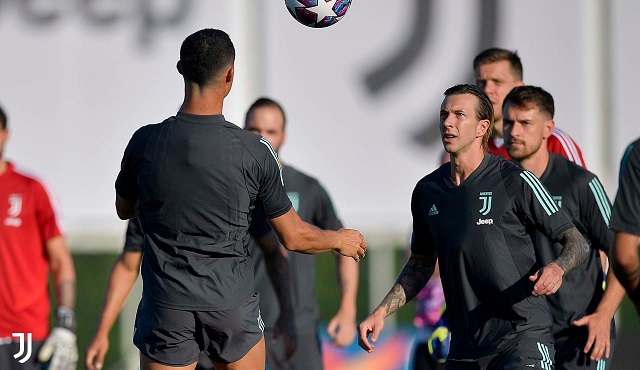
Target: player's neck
(202,101)
(4,165)
(463,164)
(536,163)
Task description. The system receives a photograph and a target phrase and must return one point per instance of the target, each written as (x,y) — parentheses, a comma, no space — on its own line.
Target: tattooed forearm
(575,249)
(413,277)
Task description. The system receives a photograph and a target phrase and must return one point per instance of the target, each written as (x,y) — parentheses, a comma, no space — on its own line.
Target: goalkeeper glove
(60,347)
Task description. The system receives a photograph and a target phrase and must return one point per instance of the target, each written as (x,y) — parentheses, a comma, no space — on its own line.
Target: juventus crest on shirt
(481,231)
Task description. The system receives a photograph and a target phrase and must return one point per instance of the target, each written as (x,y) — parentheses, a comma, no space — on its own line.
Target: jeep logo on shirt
(486,221)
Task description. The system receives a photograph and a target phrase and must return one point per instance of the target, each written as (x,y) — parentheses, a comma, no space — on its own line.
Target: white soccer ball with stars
(318,13)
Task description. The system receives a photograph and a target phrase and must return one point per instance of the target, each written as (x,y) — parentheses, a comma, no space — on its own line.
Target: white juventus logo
(486,197)
(15,202)
(27,356)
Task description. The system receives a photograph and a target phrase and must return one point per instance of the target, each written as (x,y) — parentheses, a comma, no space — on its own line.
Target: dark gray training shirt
(581,196)
(481,232)
(314,206)
(626,208)
(197,179)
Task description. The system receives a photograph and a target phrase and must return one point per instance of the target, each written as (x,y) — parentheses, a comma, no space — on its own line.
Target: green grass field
(93,270)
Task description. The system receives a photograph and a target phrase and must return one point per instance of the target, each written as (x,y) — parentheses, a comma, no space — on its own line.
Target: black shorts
(570,354)
(521,355)
(8,362)
(176,337)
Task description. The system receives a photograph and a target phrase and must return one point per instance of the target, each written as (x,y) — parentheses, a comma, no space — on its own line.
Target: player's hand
(351,244)
(286,327)
(61,349)
(94,357)
(547,280)
(342,328)
(599,340)
(372,325)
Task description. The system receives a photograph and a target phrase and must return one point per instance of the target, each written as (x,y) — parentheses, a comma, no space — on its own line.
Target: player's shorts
(570,355)
(176,337)
(522,355)
(8,362)
(308,355)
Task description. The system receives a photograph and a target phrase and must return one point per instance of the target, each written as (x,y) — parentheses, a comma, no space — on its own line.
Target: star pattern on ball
(323,9)
(317,13)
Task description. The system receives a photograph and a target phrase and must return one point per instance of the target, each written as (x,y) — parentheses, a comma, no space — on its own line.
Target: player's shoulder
(503,166)
(253,142)
(571,170)
(632,150)
(438,176)
(28,176)
(300,176)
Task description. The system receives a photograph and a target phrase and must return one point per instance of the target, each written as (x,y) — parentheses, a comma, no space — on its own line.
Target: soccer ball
(318,13)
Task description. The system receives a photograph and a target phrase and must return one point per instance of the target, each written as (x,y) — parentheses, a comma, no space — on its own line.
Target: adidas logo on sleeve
(433,211)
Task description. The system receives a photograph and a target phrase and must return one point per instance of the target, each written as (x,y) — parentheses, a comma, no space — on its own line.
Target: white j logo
(15,202)
(21,352)
(485,197)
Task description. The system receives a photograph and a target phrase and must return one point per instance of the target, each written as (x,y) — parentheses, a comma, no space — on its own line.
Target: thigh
(148,364)
(166,336)
(9,362)
(254,359)
(204,362)
(227,336)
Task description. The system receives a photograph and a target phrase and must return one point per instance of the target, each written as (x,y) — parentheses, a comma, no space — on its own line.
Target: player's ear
(549,126)
(229,75)
(179,67)
(483,126)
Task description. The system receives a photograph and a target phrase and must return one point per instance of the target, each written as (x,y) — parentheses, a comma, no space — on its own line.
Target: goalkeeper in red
(477,215)
(31,245)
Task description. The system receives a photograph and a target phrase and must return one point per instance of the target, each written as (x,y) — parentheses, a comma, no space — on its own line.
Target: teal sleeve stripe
(601,199)
(275,156)
(625,160)
(540,192)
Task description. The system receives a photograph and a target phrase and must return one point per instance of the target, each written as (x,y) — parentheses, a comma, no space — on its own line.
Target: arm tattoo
(575,249)
(414,276)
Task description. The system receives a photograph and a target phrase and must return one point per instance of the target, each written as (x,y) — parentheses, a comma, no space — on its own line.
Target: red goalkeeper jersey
(559,142)
(28,218)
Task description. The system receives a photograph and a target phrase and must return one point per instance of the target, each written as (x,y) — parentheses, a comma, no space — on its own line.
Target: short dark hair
(526,96)
(3,119)
(205,54)
(484,108)
(263,102)
(493,55)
